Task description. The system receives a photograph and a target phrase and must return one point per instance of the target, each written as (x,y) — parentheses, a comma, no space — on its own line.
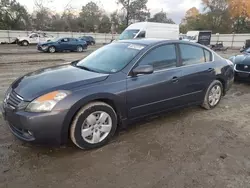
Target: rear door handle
(175,79)
(210,70)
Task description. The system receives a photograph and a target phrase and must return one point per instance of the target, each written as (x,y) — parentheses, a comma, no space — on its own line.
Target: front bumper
(39,48)
(40,128)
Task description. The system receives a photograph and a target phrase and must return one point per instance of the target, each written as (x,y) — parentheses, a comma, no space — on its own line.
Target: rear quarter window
(208,55)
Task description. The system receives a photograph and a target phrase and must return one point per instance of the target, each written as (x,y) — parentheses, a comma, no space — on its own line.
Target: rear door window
(191,54)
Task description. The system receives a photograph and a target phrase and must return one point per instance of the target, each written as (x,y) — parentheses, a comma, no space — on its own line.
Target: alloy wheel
(96,127)
(79,49)
(215,95)
(52,50)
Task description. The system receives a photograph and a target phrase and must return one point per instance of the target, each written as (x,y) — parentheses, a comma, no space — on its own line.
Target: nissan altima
(87,100)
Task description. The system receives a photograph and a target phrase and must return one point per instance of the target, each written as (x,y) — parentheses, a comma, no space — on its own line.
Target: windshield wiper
(86,68)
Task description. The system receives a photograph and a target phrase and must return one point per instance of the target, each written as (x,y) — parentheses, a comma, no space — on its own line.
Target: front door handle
(210,70)
(175,79)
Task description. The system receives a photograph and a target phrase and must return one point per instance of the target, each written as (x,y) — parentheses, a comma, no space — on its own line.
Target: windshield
(111,58)
(128,34)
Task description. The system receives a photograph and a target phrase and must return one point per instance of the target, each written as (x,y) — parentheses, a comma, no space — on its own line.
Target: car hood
(242,59)
(65,77)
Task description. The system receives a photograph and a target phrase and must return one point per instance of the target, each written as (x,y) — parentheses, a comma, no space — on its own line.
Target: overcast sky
(175,8)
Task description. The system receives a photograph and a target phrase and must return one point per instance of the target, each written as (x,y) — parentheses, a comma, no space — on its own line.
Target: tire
(51,49)
(25,43)
(79,49)
(210,103)
(80,123)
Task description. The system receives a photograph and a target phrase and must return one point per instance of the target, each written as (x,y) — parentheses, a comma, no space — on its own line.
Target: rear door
(73,44)
(198,71)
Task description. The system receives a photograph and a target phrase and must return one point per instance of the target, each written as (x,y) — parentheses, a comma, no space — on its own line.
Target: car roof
(145,42)
(151,41)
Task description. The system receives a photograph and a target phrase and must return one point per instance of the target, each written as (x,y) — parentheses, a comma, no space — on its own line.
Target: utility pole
(128,13)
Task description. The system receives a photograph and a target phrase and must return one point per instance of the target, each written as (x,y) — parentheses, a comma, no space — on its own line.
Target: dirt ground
(187,148)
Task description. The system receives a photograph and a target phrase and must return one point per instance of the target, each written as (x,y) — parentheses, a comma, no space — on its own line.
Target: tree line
(220,16)
(91,17)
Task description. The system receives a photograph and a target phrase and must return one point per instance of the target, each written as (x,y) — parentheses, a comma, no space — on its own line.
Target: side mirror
(144,69)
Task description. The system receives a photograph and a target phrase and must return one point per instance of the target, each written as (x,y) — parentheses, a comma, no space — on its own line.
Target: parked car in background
(245,50)
(34,38)
(63,44)
(241,66)
(90,40)
(117,84)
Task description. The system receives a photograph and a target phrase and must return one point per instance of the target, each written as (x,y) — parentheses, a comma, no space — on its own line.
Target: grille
(243,68)
(13,100)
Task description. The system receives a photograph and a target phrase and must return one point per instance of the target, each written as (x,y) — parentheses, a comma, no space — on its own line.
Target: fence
(8,36)
(229,40)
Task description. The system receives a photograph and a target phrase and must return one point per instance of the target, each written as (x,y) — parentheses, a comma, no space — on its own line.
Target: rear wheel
(79,49)
(213,95)
(25,43)
(93,125)
(52,49)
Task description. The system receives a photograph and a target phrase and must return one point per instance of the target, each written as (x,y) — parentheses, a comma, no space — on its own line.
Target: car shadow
(70,149)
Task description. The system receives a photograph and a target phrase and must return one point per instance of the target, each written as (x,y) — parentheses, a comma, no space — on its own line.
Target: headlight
(47,102)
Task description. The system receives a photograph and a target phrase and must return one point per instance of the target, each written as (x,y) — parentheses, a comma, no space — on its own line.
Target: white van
(151,30)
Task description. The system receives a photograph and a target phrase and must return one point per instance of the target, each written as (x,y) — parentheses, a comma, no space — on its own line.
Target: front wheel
(93,125)
(52,49)
(213,95)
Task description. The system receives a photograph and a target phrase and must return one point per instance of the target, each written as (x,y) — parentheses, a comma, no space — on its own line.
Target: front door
(34,39)
(149,94)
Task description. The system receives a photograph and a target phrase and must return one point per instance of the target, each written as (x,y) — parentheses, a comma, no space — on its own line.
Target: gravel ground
(187,148)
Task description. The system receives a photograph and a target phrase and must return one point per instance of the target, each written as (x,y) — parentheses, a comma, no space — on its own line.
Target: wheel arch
(52,46)
(223,81)
(24,41)
(109,99)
